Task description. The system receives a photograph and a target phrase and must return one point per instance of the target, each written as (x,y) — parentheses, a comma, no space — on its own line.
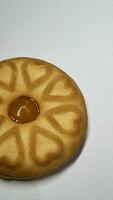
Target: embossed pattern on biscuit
(39,75)
(9,75)
(54,146)
(50,139)
(11,140)
(75,119)
(60,86)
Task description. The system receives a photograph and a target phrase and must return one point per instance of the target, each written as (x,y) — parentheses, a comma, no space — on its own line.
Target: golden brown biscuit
(43,118)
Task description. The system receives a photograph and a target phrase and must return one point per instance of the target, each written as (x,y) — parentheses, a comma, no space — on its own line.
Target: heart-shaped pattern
(40,78)
(10,87)
(49,153)
(47,96)
(6,139)
(50,115)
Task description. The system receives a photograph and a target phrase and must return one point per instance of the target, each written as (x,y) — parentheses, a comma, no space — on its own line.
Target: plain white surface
(76,35)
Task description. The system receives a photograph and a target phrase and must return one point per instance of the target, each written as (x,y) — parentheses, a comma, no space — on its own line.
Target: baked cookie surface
(43,118)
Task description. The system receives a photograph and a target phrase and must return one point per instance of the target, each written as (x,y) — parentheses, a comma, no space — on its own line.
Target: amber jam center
(23,109)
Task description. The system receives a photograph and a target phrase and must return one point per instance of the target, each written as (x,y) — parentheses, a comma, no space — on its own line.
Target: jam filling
(23,109)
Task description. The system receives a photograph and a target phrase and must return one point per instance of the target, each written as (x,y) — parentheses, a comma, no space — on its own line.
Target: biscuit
(43,118)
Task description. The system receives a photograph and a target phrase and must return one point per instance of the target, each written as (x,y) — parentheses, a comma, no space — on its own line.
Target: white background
(76,35)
